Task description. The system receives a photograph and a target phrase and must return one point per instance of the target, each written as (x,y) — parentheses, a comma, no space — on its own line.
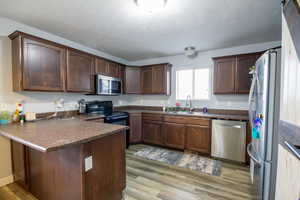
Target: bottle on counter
(16,116)
(22,118)
(18,112)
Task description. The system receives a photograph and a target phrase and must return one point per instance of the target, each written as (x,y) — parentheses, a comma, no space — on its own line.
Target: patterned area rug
(180,159)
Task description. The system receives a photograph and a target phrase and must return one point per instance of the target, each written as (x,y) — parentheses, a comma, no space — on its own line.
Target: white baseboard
(6,180)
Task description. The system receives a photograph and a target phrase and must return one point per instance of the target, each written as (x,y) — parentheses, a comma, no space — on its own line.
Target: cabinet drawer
(186,120)
(198,121)
(175,119)
(152,117)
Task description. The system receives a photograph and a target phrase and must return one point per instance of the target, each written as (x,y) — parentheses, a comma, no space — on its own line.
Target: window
(193,82)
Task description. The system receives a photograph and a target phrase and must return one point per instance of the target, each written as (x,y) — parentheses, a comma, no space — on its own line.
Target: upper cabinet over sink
(150,79)
(231,73)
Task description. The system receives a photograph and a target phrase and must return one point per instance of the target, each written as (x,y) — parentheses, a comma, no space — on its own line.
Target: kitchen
(169,123)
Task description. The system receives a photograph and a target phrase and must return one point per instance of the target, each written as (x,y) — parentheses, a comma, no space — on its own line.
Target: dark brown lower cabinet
(152,132)
(61,174)
(135,125)
(19,154)
(198,138)
(174,135)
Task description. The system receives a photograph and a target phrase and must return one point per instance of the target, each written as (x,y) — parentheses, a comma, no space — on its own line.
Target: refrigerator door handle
(249,147)
(251,99)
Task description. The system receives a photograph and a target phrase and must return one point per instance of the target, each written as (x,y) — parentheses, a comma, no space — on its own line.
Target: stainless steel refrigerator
(264,107)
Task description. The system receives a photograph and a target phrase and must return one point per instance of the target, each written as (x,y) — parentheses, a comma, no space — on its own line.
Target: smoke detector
(190,51)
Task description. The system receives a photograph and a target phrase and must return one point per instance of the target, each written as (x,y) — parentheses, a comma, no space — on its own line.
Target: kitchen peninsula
(68,159)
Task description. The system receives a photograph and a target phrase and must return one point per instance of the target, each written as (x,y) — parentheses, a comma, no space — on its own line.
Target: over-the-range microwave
(106,85)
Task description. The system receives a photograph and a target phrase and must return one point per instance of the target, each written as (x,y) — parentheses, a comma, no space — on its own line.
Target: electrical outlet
(88,162)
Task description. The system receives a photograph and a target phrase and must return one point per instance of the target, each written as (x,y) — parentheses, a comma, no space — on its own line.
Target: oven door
(108,85)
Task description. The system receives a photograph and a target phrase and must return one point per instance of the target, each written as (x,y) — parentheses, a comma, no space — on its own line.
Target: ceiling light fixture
(151,5)
(190,51)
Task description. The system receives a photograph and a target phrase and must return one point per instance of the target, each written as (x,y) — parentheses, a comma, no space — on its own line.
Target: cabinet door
(132,80)
(224,75)
(101,66)
(243,78)
(135,125)
(174,135)
(113,70)
(43,66)
(80,70)
(19,154)
(159,80)
(147,80)
(152,132)
(288,175)
(198,138)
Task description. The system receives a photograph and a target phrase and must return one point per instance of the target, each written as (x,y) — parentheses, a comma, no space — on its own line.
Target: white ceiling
(119,28)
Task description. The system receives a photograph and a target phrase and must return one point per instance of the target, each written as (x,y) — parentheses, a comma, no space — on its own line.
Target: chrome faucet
(188,103)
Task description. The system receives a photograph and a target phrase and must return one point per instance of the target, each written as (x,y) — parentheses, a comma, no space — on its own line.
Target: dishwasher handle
(232,126)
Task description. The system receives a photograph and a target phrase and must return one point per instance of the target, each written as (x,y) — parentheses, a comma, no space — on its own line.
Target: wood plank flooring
(152,180)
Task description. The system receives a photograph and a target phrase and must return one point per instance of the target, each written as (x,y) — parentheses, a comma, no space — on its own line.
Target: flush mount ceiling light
(151,5)
(190,51)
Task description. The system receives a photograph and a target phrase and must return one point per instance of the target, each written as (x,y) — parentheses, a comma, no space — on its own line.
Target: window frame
(193,82)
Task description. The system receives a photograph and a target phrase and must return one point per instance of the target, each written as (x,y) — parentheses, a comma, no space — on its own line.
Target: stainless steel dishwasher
(229,140)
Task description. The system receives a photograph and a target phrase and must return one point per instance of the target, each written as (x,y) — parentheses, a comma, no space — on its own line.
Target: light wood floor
(151,180)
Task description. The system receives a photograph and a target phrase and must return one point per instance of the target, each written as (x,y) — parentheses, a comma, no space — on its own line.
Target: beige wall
(5,160)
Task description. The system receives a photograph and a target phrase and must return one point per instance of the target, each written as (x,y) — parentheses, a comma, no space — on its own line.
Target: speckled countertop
(87,117)
(49,135)
(289,137)
(194,114)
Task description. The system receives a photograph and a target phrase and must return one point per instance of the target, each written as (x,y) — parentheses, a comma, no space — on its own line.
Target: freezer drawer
(229,140)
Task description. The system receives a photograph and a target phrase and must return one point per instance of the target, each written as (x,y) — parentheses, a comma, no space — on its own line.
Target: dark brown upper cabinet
(101,66)
(132,80)
(161,75)
(80,70)
(147,80)
(224,75)
(113,69)
(38,65)
(42,65)
(151,79)
(107,68)
(231,73)
(243,78)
